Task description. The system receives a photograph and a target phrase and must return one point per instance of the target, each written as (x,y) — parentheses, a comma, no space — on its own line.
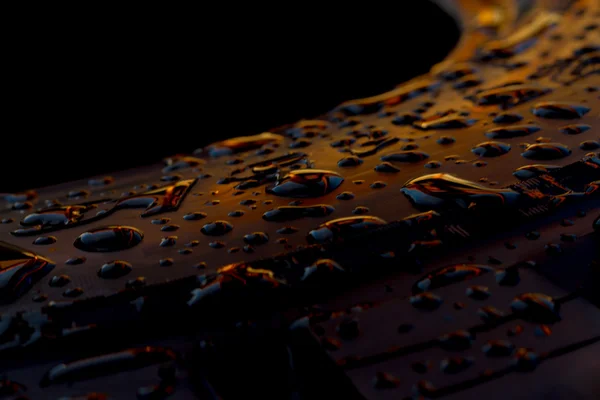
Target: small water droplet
(589,145)
(478,292)
(360,210)
(75,261)
(553,249)
(59,280)
(168,241)
(510,132)
(345,196)
(290,213)
(533,235)
(386,167)
(557,110)
(161,221)
(449,275)
(114,269)
(507,118)
(509,95)
(38,298)
(515,331)
(256,238)
(169,228)
(217,244)
(536,307)
(74,292)
(508,276)
(490,314)
(406,156)
(498,348)
(45,240)
(384,380)
(426,301)
(306,183)
(378,185)
(166,262)
(7,220)
(216,228)
(456,341)
(110,238)
(136,283)
(491,149)
(339,229)
(433,165)
(406,118)
(194,216)
(446,140)
(574,129)
(350,161)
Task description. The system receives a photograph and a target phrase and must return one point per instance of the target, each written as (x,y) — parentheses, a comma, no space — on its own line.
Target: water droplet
(76,194)
(360,210)
(546,151)
(507,118)
(433,165)
(75,261)
(38,298)
(420,367)
(194,216)
(525,360)
(449,275)
(446,140)
(406,118)
(478,292)
(386,167)
(553,249)
(216,228)
(533,235)
(542,331)
(490,314)
(45,240)
(556,110)
(7,220)
(59,280)
(166,262)
(169,228)
(574,129)
(491,149)
(339,229)
(589,145)
(515,331)
(290,213)
(455,365)
(74,292)
(377,145)
(456,341)
(256,238)
(110,238)
(531,171)
(345,196)
(378,185)
(348,329)
(536,308)
(508,96)
(444,190)
(510,132)
(446,120)
(426,301)
(168,241)
(508,276)
(351,161)
(384,380)
(171,178)
(242,144)
(409,147)
(114,269)
(306,183)
(300,143)
(136,283)
(161,221)
(498,348)
(406,156)
(342,142)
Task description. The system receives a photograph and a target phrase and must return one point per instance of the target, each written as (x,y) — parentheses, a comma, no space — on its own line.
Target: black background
(96,94)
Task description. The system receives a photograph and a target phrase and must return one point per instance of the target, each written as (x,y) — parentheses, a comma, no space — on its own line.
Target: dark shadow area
(91,101)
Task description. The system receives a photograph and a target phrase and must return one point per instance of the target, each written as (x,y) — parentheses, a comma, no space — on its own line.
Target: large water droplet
(510,132)
(530,171)
(536,307)
(339,229)
(306,183)
(491,149)
(114,269)
(216,228)
(589,145)
(444,190)
(557,110)
(546,151)
(110,238)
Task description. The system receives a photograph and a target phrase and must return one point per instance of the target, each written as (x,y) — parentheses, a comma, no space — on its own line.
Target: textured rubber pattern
(436,241)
